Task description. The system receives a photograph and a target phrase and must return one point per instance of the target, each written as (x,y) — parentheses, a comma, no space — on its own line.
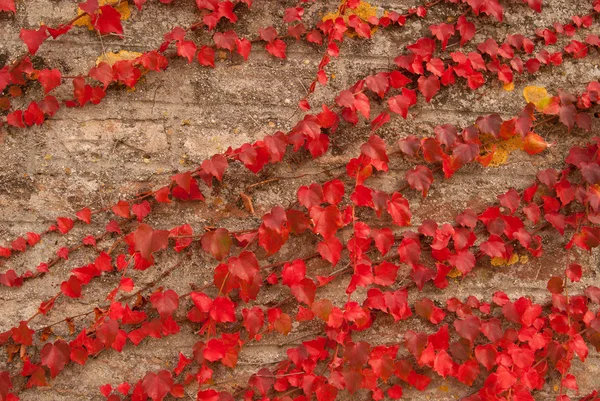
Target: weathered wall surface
(173,120)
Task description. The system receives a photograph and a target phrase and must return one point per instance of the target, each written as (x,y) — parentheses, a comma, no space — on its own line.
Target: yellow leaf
(509,87)
(505,262)
(122,8)
(112,58)
(503,149)
(364,11)
(538,96)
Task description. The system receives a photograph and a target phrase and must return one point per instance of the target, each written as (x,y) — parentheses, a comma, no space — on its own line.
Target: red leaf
(206,56)
(55,356)
(165,302)
(244,46)
(19,244)
(429,86)
(574,272)
(121,209)
(253,320)
(593,293)
(225,40)
(217,243)
(577,49)
(400,104)
(72,287)
(263,381)
(108,20)
(223,310)
(362,104)
(294,272)
(187,49)
(486,355)
(327,220)
(378,83)
(244,267)
(85,215)
(126,73)
(304,291)
(375,149)
(443,364)
(464,261)
(65,224)
(469,327)
(385,273)
(330,250)
(126,284)
(49,79)
(398,208)
(268,34)
(22,334)
(555,285)
(141,210)
(384,239)
(157,386)
(146,240)
(395,392)
(310,196)
(420,178)
(534,144)
(494,247)
(333,191)
(8,5)
(442,32)
(216,166)
(427,310)
(33,238)
(293,14)
(277,48)
(33,38)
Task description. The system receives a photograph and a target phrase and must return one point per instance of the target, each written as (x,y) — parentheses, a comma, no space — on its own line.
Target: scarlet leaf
(245,266)
(310,196)
(330,250)
(165,302)
(108,20)
(327,220)
(206,56)
(293,272)
(146,240)
(217,243)
(398,208)
(49,79)
(55,356)
(187,49)
(65,224)
(157,386)
(8,5)
(277,48)
(33,38)
(374,148)
(442,32)
(72,287)
(121,209)
(304,291)
(420,178)
(400,104)
(534,144)
(429,86)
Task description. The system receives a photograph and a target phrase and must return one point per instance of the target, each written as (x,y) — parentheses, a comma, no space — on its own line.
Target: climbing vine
(353,232)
